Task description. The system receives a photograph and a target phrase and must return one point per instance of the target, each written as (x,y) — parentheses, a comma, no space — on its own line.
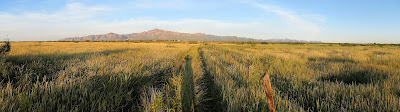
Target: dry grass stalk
(268,91)
(230,58)
(248,70)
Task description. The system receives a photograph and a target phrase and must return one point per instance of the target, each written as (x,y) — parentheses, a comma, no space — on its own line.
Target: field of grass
(198,76)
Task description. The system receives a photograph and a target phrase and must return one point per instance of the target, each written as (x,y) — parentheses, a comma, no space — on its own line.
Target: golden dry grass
(128,76)
(316,77)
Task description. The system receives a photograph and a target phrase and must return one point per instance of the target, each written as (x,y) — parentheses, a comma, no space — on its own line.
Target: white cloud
(48,25)
(162,4)
(185,25)
(296,21)
(71,12)
(58,30)
(173,4)
(77,19)
(315,17)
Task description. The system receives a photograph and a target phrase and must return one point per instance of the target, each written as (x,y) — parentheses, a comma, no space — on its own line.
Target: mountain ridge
(159,34)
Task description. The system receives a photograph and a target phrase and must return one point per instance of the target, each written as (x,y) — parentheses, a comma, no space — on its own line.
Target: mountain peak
(155,30)
(111,35)
(159,34)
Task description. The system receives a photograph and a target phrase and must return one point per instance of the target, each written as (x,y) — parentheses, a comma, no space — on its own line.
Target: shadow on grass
(295,89)
(321,63)
(39,66)
(380,53)
(24,59)
(365,76)
(112,92)
(188,87)
(211,101)
(334,59)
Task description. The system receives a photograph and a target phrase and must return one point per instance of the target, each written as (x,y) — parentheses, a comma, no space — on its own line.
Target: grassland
(198,76)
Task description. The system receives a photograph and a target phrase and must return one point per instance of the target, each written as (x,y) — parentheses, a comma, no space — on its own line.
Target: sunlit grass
(315,77)
(187,76)
(92,75)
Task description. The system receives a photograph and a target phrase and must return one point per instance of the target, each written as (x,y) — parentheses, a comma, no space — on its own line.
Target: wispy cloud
(162,4)
(186,25)
(72,11)
(76,19)
(79,19)
(79,10)
(42,25)
(58,30)
(291,18)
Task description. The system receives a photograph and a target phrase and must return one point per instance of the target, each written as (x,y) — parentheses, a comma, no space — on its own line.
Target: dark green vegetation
(4,50)
(198,76)
(188,86)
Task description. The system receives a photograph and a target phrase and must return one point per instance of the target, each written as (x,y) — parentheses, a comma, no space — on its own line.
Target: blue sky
(356,21)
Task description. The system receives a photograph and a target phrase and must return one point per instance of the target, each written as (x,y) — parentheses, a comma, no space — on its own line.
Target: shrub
(252,43)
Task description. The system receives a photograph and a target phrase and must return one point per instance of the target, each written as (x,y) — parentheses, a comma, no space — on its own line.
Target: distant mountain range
(158,34)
